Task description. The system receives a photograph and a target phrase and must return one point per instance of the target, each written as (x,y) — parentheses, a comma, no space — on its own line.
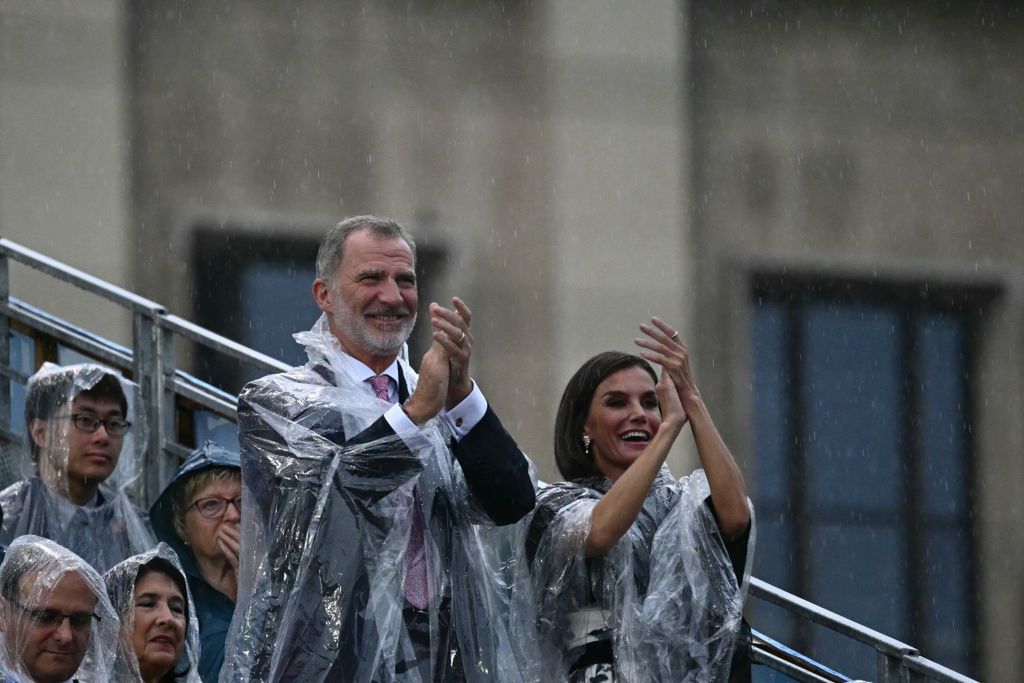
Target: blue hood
(161,515)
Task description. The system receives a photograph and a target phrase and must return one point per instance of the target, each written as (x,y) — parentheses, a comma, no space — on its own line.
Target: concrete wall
(619,173)
(538,143)
(885,143)
(64,142)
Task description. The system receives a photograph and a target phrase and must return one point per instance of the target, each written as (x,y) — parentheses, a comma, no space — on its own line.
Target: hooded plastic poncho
(327,514)
(213,608)
(667,596)
(31,571)
(109,528)
(120,582)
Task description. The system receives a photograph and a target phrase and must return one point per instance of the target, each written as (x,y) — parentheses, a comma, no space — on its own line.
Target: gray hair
(332,248)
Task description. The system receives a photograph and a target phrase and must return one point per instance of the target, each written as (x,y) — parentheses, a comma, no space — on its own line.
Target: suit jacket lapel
(403,389)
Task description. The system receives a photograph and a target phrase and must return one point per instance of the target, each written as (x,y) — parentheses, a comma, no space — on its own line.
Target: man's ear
(37,431)
(322,295)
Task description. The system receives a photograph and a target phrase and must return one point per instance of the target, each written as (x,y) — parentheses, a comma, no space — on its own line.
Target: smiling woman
(160,638)
(638,575)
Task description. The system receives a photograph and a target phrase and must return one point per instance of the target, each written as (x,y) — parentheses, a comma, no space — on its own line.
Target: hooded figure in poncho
(167,615)
(56,620)
(83,454)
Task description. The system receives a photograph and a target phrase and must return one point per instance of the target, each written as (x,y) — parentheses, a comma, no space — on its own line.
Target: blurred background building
(826,197)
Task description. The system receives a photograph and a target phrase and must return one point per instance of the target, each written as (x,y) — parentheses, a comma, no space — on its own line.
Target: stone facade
(573,167)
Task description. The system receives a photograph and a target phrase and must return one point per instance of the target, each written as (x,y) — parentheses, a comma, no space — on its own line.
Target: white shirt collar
(359,371)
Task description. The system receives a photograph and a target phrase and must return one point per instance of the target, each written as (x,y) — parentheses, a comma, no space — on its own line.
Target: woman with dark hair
(159,635)
(638,575)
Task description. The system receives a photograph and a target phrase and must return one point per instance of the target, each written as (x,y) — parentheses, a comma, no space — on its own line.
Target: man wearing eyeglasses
(76,423)
(53,609)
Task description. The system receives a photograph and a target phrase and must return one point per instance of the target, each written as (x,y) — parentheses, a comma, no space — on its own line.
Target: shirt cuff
(406,429)
(463,417)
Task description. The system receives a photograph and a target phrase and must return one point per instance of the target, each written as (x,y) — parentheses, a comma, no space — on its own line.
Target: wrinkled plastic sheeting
(104,534)
(120,581)
(667,591)
(325,527)
(35,566)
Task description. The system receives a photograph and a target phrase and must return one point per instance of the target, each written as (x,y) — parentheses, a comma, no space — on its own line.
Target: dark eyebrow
(113,412)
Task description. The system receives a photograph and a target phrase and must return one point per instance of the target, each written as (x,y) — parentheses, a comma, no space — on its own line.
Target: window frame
(911,299)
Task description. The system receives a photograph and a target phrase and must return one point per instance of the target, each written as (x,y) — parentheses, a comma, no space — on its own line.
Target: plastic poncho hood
(34,583)
(120,581)
(108,528)
(161,514)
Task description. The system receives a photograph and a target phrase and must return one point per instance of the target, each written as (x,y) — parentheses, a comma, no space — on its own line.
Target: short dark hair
(47,394)
(572,460)
(160,565)
(332,247)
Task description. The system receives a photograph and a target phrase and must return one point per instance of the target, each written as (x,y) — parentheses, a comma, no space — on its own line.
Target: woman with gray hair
(198,516)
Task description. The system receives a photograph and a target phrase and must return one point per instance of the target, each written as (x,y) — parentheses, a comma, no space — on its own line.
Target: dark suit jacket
(318,526)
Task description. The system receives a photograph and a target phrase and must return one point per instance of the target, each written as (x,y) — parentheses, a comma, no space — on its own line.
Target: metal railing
(171,395)
(150,363)
(896,661)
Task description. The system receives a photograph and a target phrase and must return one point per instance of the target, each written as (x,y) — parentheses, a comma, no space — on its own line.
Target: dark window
(862,440)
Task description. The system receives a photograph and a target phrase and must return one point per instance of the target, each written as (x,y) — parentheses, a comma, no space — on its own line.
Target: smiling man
(76,422)
(53,612)
(368,489)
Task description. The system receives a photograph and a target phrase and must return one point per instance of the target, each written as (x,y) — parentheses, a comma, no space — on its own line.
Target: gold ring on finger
(459,342)
(675,335)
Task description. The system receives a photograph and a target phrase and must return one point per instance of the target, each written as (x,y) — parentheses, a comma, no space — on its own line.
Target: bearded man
(368,490)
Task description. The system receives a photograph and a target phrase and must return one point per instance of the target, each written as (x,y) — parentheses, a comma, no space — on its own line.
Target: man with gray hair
(370,491)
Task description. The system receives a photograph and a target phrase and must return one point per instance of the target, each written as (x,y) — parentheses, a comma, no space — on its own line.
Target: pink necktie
(416,589)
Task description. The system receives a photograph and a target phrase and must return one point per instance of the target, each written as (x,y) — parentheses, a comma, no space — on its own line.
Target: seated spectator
(198,515)
(81,458)
(159,634)
(56,619)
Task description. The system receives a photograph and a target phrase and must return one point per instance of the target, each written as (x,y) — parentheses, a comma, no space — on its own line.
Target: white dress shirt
(460,419)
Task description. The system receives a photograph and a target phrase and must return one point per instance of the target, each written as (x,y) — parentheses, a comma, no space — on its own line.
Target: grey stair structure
(182,409)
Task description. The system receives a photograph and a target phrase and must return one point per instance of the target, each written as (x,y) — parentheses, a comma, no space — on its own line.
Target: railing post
(5,347)
(891,669)
(153,361)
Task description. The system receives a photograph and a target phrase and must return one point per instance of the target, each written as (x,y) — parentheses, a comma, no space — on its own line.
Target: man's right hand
(432,387)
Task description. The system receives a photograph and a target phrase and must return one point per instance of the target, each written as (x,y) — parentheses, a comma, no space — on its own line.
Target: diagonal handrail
(151,359)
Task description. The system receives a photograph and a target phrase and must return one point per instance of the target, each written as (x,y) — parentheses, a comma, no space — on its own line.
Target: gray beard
(378,343)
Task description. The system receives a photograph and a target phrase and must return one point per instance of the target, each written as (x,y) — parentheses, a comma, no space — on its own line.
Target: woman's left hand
(664,348)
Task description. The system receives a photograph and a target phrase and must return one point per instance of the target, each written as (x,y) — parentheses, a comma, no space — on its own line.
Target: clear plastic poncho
(666,595)
(121,588)
(107,529)
(327,513)
(32,569)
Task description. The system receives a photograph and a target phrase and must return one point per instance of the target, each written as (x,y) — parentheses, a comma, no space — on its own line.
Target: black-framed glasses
(215,506)
(52,618)
(87,423)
